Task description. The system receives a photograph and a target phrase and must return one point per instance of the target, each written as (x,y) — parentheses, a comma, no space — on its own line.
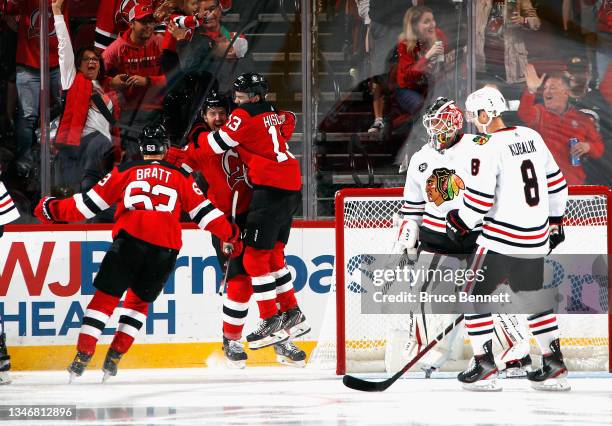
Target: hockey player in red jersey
(8,213)
(150,195)
(518,193)
(225,177)
(255,131)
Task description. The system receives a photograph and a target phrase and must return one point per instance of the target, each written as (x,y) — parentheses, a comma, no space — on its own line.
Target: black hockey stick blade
(367,386)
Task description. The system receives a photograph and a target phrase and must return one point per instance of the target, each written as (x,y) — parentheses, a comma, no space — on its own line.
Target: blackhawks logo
(443,185)
(481,139)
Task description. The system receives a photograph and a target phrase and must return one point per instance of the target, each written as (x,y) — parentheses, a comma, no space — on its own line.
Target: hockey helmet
(213,100)
(251,83)
(442,120)
(154,140)
(487,99)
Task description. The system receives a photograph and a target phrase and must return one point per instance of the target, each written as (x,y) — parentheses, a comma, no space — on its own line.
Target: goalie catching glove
(44,210)
(407,236)
(456,229)
(233,246)
(556,235)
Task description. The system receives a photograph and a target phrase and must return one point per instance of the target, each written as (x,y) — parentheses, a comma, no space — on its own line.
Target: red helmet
(443,120)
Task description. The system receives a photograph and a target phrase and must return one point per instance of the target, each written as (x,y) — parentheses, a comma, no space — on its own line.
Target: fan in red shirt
(255,130)
(150,195)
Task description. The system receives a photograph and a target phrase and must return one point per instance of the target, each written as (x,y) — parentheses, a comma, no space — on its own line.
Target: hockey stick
(367,386)
(228,261)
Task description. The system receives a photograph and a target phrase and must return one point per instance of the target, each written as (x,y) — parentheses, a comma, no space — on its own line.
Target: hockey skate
(109,368)
(551,377)
(481,375)
(515,361)
(268,332)
(5,362)
(235,355)
(289,354)
(294,322)
(78,366)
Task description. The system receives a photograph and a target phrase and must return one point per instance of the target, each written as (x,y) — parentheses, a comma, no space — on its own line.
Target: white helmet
(488,99)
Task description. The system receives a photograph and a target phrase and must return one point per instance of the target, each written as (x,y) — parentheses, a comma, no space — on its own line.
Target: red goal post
(588,206)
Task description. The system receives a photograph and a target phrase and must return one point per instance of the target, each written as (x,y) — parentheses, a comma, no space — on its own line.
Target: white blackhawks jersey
(435,184)
(514,187)
(8,211)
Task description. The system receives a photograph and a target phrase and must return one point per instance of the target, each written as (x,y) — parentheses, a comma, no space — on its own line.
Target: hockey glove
(456,229)
(43,210)
(234,246)
(556,235)
(175,156)
(288,123)
(407,235)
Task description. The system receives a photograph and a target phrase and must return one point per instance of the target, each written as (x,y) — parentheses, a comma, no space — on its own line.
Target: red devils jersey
(28,33)
(259,133)
(225,174)
(150,196)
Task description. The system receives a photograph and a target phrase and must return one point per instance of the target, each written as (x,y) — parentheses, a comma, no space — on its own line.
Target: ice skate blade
(289,363)
(107,375)
(490,385)
(274,338)
(5,379)
(552,385)
(71,377)
(235,365)
(298,330)
(515,373)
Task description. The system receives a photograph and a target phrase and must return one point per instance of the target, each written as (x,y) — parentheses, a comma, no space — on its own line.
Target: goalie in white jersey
(436,179)
(519,195)
(8,213)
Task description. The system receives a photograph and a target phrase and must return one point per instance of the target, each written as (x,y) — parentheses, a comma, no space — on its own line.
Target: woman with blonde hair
(420,50)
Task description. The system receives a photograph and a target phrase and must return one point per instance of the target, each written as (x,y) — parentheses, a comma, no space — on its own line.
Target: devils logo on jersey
(34,27)
(233,167)
(443,185)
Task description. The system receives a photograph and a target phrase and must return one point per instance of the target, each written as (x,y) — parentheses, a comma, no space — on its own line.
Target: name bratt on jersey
(272,120)
(153,172)
(520,148)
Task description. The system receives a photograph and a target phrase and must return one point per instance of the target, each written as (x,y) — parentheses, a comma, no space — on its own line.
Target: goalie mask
(154,140)
(443,121)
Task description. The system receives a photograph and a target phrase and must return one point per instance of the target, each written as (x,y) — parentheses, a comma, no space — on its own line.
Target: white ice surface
(286,396)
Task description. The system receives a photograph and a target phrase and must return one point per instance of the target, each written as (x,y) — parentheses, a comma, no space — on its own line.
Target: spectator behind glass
(421,47)
(133,62)
(500,49)
(557,121)
(184,15)
(84,136)
(386,20)
(202,53)
(28,76)
(112,19)
(604,37)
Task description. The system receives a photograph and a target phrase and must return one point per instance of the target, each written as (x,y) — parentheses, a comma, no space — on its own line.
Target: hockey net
(351,341)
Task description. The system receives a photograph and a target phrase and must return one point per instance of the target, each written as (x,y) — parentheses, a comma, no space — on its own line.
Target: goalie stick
(367,386)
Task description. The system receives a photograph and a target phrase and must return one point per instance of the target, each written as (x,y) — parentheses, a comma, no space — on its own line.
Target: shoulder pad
(257,108)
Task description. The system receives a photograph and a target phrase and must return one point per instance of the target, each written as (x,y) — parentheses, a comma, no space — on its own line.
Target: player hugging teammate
(229,188)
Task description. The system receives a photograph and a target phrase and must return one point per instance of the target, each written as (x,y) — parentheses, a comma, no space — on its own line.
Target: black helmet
(154,140)
(251,83)
(213,100)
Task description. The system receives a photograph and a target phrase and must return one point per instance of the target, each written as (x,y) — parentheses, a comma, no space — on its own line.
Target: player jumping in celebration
(435,182)
(519,195)
(150,195)
(255,131)
(8,213)
(225,182)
